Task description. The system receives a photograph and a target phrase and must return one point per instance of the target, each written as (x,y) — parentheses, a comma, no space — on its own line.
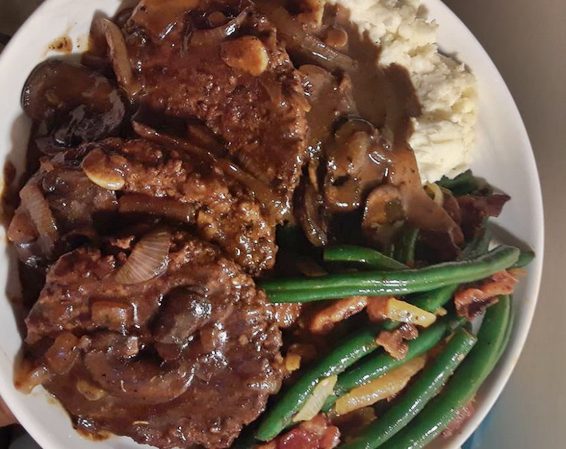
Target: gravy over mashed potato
(443,136)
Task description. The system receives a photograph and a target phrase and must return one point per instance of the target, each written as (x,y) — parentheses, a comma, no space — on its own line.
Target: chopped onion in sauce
(149,259)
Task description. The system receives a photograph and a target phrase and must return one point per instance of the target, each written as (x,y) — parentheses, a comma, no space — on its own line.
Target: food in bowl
(225,198)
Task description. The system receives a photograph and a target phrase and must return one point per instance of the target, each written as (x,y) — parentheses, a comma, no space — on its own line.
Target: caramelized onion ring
(119,56)
(41,216)
(149,259)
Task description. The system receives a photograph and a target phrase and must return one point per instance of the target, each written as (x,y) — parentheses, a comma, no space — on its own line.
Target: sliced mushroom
(184,312)
(357,162)
(76,104)
(310,212)
(384,211)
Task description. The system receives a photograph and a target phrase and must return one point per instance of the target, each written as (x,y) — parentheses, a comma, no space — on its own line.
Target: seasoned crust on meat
(150,180)
(225,213)
(243,87)
(201,338)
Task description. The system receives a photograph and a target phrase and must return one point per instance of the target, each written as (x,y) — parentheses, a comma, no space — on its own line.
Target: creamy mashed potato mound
(444,134)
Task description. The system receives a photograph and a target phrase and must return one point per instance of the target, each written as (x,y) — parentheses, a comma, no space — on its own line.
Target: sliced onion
(299,40)
(404,312)
(381,388)
(435,192)
(316,400)
(29,376)
(259,189)
(40,213)
(90,391)
(218,34)
(21,229)
(119,56)
(149,259)
(311,215)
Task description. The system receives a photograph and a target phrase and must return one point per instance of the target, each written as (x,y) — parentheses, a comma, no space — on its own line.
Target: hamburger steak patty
(166,182)
(237,80)
(98,183)
(139,359)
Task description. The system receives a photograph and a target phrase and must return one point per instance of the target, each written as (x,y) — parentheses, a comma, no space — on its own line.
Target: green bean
(405,249)
(418,395)
(462,387)
(374,366)
(462,184)
(377,283)
(479,244)
(507,336)
(365,256)
(290,402)
(433,300)
(525,258)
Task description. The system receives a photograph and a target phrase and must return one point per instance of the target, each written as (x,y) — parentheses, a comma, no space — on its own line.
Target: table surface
(527,41)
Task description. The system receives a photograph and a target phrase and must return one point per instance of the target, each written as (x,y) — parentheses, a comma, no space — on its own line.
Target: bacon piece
(317,433)
(472,300)
(394,342)
(474,209)
(325,320)
(377,308)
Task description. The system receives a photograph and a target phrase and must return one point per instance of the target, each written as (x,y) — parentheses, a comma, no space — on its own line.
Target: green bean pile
(461,361)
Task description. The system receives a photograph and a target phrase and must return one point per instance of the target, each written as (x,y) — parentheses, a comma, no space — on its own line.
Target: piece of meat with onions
(60,207)
(139,358)
(221,63)
(164,182)
(75,194)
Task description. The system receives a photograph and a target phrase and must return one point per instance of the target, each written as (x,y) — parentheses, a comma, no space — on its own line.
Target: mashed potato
(444,134)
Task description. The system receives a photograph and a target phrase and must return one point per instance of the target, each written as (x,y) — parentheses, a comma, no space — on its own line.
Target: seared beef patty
(183,187)
(188,357)
(221,63)
(148,179)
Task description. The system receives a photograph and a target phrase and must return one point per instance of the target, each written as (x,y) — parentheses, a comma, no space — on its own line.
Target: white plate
(504,157)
